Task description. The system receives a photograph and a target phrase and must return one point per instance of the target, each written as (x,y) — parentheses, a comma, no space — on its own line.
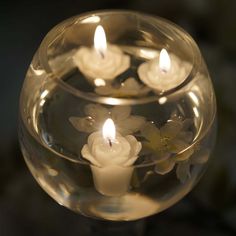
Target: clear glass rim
(57,30)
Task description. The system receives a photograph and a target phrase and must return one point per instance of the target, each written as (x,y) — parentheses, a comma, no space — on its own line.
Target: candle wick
(110,143)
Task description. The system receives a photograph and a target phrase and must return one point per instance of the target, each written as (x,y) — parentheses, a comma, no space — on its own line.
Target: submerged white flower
(166,142)
(97,114)
(172,137)
(129,87)
(170,145)
(196,158)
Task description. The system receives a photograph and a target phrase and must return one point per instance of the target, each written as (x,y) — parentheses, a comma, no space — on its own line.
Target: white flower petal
(120,113)
(132,83)
(133,87)
(135,148)
(178,145)
(87,155)
(130,161)
(134,144)
(165,167)
(83,124)
(92,138)
(131,125)
(200,157)
(104,90)
(160,157)
(130,87)
(97,112)
(183,171)
(151,133)
(187,124)
(185,155)
(171,129)
(186,136)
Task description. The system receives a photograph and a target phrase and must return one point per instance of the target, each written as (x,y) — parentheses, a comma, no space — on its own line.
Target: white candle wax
(111,157)
(112,180)
(164,72)
(102,61)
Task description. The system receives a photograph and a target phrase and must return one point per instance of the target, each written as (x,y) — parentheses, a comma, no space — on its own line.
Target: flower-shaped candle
(164,72)
(103,61)
(111,156)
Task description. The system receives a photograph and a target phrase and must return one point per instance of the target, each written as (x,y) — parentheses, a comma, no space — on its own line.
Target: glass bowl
(117,114)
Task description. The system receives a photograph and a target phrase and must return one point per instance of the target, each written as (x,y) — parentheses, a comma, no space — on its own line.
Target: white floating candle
(164,72)
(103,60)
(111,156)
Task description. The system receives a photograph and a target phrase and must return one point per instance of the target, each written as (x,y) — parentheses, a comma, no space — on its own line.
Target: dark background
(210,209)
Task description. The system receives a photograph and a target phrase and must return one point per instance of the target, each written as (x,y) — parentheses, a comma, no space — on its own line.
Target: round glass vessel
(117,114)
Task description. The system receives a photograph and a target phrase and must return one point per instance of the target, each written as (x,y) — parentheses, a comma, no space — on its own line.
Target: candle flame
(164,61)
(109,131)
(100,42)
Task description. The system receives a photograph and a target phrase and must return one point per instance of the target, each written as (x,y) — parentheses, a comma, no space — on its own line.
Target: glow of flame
(109,130)
(100,41)
(164,61)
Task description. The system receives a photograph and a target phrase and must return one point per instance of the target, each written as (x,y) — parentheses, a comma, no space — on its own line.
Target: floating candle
(104,61)
(164,72)
(111,156)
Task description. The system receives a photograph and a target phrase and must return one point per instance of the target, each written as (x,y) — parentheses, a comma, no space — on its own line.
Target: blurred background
(210,209)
